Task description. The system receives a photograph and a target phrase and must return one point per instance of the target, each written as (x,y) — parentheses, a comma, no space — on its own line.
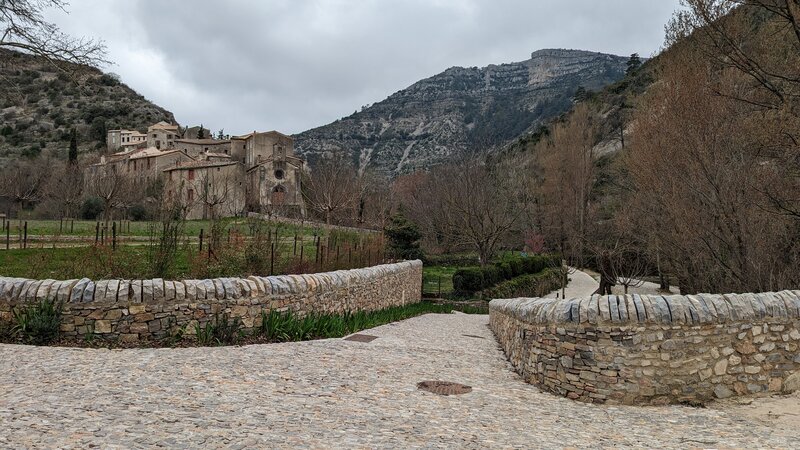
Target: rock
(721,367)
(102,326)
(792,383)
(722,391)
(734,360)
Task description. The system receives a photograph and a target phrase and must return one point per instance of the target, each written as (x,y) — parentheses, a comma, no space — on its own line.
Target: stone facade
(209,189)
(131,310)
(638,349)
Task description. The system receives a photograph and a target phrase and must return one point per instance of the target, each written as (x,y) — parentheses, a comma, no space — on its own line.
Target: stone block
(102,326)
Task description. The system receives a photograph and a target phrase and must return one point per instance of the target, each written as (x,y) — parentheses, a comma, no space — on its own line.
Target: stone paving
(331,394)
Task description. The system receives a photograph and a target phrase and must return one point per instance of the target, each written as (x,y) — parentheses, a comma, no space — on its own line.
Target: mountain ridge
(461,108)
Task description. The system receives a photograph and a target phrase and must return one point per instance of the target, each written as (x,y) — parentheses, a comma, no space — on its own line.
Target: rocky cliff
(461,108)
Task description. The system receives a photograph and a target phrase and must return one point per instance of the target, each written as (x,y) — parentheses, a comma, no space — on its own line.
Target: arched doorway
(278,195)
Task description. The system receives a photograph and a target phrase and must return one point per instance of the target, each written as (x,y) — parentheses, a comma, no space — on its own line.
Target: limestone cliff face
(461,108)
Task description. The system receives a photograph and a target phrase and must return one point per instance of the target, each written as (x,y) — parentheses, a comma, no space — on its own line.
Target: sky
(292,65)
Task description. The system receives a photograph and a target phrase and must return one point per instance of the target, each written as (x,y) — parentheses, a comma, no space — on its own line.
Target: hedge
(530,285)
(474,279)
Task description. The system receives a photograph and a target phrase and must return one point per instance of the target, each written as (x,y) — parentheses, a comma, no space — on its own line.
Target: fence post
(295,244)
(272,260)
(440,286)
(337,255)
(201,240)
(301,255)
(114,236)
(25,241)
(71,226)
(316,255)
(103,235)
(61,225)
(8,238)
(96,233)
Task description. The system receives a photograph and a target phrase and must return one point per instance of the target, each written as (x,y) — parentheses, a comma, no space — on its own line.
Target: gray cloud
(290,65)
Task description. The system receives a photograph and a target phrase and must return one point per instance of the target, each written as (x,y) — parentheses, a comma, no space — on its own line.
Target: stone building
(198,147)
(273,173)
(207,189)
(256,172)
(118,139)
(162,135)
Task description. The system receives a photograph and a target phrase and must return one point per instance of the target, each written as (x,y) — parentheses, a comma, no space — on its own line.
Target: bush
(138,213)
(475,279)
(38,323)
(468,280)
(529,285)
(91,208)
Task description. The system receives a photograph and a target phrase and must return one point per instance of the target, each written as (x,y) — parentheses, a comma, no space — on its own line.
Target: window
(190,195)
(191,174)
(279,174)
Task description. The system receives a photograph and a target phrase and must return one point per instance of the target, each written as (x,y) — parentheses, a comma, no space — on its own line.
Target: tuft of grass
(220,331)
(284,326)
(38,323)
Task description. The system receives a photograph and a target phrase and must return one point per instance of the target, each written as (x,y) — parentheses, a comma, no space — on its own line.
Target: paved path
(330,394)
(581,284)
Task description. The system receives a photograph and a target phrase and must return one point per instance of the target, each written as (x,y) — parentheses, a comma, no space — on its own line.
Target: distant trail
(581,284)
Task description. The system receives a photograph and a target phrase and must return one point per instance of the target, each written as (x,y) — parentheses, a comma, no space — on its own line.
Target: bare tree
(566,191)
(22,182)
(23,28)
(220,196)
(110,186)
(479,206)
(64,189)
(333,188)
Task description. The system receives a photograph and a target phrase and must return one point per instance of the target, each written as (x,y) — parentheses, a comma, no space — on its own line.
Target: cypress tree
(73,147)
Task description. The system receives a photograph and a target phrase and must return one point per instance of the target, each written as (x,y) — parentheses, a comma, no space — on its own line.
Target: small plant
(38,323)
(220,331)
(89,337)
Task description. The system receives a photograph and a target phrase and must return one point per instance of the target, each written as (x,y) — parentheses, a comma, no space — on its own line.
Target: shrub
(220,331)
(529,285)
(38,323)
(138,212)
(91,208)
(468,280)
(474,279)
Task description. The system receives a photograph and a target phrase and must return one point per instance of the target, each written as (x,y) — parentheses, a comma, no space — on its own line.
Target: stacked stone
(139,309)
(637,349)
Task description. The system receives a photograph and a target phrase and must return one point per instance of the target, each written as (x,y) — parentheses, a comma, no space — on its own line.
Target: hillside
(462,108)
(39,104)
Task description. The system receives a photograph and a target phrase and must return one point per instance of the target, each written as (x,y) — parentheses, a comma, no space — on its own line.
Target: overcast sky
(291,65)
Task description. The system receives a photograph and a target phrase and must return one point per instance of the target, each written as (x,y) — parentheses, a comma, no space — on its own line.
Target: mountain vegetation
(461,109)
(41,104)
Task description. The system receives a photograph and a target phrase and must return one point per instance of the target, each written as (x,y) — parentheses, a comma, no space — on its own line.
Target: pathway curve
(581,284)
(330,394)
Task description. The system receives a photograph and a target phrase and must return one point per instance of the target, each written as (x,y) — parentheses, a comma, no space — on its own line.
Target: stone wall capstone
(640,349)
(131,310)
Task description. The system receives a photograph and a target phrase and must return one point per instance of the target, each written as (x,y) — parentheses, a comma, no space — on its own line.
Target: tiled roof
(151,152)
(199,165)
(203,141)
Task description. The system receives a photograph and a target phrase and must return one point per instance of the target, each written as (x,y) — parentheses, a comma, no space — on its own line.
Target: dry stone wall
(131,310)
(639,349)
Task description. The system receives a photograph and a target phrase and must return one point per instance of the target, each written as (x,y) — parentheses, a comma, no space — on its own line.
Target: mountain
(461,108)
(40,103)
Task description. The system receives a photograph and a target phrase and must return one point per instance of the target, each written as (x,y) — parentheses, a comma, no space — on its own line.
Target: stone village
(257,172)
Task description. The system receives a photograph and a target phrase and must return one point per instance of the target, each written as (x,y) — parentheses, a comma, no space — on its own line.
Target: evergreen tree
(201,134)
(72,157)
(633,64)
(403,237)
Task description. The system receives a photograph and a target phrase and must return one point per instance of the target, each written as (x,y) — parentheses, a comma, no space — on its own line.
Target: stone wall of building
(131,310)
(638,349)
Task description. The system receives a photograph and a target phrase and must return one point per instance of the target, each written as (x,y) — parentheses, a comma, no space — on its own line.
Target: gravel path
(581,284)
(330,394)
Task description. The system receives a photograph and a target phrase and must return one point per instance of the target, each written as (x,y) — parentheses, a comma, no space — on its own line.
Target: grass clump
(221,331)
(285,326)
(38,323)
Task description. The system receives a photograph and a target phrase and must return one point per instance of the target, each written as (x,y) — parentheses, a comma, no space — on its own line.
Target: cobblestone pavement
(331,394)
